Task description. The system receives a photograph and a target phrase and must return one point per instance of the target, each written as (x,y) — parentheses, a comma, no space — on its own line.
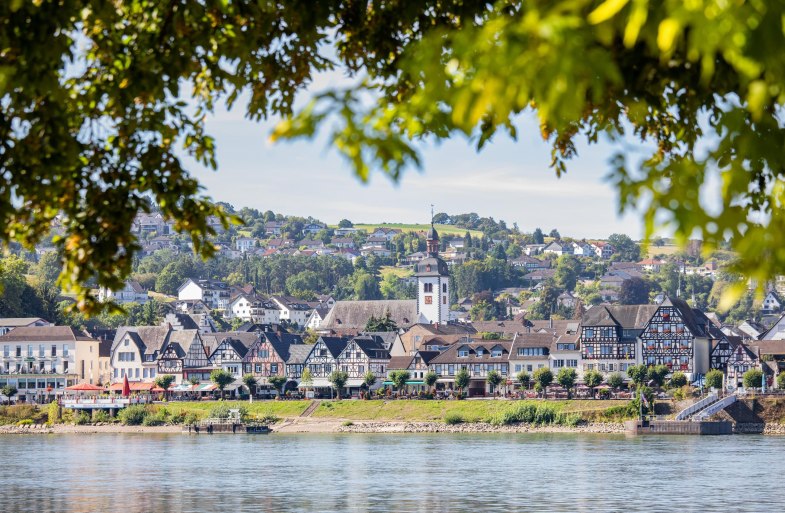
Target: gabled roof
(181,341)
(298,353)
(372,346)
(282,343)
(354,315)
(450,355)
(149,339)
(44,334)
(334,345)
(14,322)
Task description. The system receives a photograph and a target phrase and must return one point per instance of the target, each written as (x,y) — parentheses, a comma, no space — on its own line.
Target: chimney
(550,322)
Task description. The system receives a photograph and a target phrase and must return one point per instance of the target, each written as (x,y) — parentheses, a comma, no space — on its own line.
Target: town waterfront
(410,473)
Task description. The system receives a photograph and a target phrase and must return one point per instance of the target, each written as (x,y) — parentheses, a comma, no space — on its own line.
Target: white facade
(433,298)
(213,293)
(245,244)
(132,292)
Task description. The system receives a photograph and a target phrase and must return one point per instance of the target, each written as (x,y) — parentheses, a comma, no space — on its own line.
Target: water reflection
(378,473)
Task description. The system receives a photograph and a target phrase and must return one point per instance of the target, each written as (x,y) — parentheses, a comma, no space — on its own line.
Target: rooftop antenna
(431,214)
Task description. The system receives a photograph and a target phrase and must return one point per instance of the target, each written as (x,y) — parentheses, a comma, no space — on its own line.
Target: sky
(509,180)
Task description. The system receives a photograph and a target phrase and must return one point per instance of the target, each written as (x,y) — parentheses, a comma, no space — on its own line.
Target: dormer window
(480,352)
(463,352)
(496,352)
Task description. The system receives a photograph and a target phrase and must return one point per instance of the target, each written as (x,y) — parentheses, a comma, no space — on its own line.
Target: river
(379,473)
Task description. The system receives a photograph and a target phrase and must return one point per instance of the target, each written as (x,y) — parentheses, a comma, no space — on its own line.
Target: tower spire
(431,215)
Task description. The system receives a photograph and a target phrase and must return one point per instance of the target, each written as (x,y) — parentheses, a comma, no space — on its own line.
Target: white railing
(716,407)
(103,401)
(695,407)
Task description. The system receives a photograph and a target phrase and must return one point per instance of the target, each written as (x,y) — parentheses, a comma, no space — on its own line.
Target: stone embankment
(474,427)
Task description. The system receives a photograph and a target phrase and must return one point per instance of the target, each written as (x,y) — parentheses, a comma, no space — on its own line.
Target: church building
(433,283)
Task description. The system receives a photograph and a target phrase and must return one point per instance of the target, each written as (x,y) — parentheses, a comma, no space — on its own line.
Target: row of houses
(41,360)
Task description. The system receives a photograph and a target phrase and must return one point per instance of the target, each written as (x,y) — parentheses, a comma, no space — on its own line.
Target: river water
(397,473)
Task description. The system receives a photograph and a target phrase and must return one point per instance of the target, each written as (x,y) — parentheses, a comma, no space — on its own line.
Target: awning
(182,387)
(135,386)
(205,387)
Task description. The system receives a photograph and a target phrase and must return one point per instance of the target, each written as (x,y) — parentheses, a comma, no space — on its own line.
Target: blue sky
(507,180)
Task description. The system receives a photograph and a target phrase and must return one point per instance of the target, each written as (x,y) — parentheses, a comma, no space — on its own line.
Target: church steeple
(432,239)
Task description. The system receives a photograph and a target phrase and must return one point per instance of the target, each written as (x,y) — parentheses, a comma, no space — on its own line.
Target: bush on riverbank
(13,414)
(537,414)
(133,415)
(453,418)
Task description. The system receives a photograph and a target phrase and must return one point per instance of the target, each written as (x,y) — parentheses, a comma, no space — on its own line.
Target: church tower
(433,282)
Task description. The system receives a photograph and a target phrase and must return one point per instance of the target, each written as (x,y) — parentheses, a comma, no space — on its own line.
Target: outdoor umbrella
(126,387)
(84,387)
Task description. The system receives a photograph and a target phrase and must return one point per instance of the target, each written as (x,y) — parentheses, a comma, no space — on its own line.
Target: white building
(292,309)
(215,294)
(132,292)
(40,361)
(254,308)
(433,283)
(244,244)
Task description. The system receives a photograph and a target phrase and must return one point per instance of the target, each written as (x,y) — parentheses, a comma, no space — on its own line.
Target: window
(588,333)
(54,350)
(65,366)
(518,367)
(18,351)
(41,351)
(6,351)
(30,350)
(574,363)
(428,300)
(273,368)
(444,300)
(565,347)
(496,352)
(65,351)
(463,352)
(428,287)
(444,288)
(480,351)
(557,364)
(451,369)
(529,368)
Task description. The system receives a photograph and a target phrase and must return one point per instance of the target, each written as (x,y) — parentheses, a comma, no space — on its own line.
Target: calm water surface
(409,473)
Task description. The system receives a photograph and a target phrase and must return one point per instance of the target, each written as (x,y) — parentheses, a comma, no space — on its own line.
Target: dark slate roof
(335,345)
(149,339)
(282,343)
(372,346)
(623,316)
(427,356)
(388,337)
(186,321)
(250,327)
(431,266)
(298,353)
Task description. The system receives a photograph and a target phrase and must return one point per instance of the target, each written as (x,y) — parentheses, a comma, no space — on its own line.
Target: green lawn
(426,411)
(400,272)
(255,409)
(441,228)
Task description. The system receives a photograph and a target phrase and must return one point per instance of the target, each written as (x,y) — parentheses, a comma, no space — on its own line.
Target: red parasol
(84,387)
(126,387)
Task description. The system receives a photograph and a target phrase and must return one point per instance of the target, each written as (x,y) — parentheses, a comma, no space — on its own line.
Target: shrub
(101,416)
(348,423)
(713,379)
(453,418)
(220,411)
(133,415)
(191,419)
(25,422)
(678,380)
(82,418)
(536,414)
(154,420)
(52,413)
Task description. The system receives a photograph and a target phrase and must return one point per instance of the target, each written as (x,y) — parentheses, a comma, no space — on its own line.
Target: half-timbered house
(742,359)
(364,354)
(323,359)
(135,352)
(230,350)
(608,336)
(416,365)
(680,338)
(267,357)
(172,358)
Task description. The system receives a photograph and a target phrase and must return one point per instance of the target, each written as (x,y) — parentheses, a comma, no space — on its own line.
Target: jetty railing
(696,407)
